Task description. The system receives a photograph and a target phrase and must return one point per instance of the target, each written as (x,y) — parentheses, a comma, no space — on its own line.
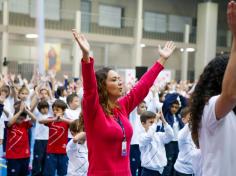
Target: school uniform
(197,162)
(72,114)
(135,161)
(56,159)
(78,159)
(152,147)
(183,164)
(17,149)
(217,141)
(40,145)
(8,106)
(174,120)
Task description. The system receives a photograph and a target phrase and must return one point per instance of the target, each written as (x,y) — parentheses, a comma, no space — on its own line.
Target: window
(17,6)
(177,23)
(155,22)
(110,16)
(51,9)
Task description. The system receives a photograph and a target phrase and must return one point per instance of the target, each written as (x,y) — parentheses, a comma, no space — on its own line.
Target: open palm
(167,50)
(82,41)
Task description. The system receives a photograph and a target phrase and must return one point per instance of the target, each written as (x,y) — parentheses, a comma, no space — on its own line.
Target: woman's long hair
(209,84)
(101,76)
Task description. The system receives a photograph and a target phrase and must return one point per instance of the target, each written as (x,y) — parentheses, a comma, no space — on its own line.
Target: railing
(175,36)
(26,69)
(90,24)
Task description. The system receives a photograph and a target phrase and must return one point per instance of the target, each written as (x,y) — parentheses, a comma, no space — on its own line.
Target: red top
(104,134)
(58,137)
(18,141)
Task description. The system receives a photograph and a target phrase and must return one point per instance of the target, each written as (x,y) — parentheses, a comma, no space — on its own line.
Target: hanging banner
(52,57)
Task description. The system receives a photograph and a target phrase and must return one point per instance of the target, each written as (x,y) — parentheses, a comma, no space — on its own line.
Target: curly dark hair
(101,76)
(209,84)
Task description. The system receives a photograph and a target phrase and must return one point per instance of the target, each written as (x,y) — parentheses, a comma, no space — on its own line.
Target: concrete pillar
(184,60)
(138,32)
(5,37)
(106,55)
(206,35)
(41,36)
(77,51)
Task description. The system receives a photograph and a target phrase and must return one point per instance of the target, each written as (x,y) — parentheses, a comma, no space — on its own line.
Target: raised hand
(83,43)
(167,50)
(231,16)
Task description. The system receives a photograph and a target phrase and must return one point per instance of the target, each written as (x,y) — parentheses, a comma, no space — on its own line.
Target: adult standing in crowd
(213,108)
(106,114)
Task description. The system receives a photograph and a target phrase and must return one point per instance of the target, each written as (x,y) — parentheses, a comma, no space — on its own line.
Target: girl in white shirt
(213,109)
(77,150)
(183,165)
(152,144)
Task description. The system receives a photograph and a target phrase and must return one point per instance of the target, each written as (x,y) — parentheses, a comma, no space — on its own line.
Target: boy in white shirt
(152,144)
(134,117)
(77,150)
(74,109)
(41,139)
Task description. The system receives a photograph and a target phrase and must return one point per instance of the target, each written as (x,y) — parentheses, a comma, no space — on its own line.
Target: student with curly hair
(213,111)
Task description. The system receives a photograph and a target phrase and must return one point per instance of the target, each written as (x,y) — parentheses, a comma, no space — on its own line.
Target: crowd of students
(90,126)
(53,110)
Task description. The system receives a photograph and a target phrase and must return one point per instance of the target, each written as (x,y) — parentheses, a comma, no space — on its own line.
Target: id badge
(124,148)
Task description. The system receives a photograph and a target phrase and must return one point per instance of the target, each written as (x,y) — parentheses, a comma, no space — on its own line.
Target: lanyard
(122,127)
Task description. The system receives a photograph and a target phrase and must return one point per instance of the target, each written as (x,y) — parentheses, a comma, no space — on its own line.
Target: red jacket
(104,134)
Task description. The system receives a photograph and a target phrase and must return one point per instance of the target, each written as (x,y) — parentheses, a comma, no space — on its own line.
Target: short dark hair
(42,104)
(70,98)
(59,104)
(60,90)
(147,115)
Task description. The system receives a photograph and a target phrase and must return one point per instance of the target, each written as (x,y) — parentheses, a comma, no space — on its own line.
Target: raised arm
(141,89)
(90,96)
(14,118)
(31,115)
(48,120)
(227,100)
(83,44)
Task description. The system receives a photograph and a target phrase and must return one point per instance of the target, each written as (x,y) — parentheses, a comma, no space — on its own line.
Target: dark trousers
(40,147)
(172,151)
(148,172)
(18,167)
(4,143)
(56,162)
(135,161)
(181,174)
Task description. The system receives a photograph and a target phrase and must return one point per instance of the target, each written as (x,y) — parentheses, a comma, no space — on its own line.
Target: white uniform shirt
(197,162)
(78,159)
(183,163)
(175,128)
(152,147)
(72,115)
(137,126)
(217,142)
(41,131)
